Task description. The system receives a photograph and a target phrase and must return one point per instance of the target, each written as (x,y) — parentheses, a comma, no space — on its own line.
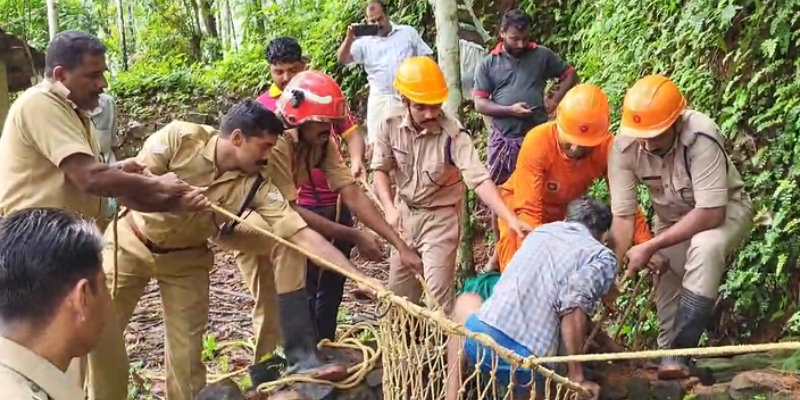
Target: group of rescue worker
(269,154)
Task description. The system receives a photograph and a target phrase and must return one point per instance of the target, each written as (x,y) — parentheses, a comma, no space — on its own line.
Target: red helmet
(311,96)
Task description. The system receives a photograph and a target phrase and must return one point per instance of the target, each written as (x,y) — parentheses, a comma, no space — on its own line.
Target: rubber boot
(690,322)
(300,346)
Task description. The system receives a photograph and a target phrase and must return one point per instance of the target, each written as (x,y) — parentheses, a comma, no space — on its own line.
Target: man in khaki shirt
(309,106)
(53,303)
(172,248)
(702,213)
(51,157)
(430,155)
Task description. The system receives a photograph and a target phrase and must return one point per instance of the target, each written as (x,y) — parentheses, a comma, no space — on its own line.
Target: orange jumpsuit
(546,180)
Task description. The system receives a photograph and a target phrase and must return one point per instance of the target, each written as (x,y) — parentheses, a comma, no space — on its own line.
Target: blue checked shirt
(559,267)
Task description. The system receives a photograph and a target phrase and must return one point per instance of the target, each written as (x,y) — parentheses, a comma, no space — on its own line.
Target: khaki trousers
(183,282)
(434,233)
(268,269)
(698,265)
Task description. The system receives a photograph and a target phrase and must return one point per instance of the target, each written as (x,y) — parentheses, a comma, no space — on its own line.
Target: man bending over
(543,301)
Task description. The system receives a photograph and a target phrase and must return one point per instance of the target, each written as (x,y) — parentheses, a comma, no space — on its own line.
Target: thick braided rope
(386,296)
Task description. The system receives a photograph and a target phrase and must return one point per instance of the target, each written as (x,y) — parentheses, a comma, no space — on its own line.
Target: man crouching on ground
(543,301)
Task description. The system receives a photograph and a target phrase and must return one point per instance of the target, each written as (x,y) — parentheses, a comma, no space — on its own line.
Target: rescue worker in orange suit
(558,162)
(172,248)
(309,106)
(432,157)
(702,212)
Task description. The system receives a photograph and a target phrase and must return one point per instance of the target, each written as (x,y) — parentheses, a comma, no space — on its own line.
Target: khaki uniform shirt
(423,175)
(292,161)
(25,375)
(711,180)
(42,129)
(189,151)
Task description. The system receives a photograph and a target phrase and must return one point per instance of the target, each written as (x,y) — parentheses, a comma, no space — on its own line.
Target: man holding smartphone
(509,89)
(380,46)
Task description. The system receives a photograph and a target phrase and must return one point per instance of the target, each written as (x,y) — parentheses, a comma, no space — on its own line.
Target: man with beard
(172,247)
(325,288)
(309,106)
(60,152)
(702,212)
(431,157)
(381,55)
(509,89)
(558,162)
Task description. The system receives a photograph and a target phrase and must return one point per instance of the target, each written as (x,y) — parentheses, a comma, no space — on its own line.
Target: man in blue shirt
(542,304)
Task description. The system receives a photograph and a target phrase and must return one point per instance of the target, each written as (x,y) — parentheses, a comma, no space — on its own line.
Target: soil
(229,325)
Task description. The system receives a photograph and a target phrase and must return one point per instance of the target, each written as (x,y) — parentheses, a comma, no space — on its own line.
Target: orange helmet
(650,107)
(583,116)
(311,96)
(421,80)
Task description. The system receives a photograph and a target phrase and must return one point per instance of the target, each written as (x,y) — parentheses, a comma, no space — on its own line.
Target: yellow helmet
(421,80)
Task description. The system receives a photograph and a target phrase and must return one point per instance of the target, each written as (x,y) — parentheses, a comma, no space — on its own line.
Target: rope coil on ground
(411,308)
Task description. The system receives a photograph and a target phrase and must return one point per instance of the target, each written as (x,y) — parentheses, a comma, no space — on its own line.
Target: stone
(226,389)
(667,390)
(770,384)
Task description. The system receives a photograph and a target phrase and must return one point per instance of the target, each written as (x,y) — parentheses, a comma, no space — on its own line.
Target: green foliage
(736,61)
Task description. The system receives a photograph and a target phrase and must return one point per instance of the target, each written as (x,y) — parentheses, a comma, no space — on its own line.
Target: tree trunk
(122,34)
(445,13)
(52,18)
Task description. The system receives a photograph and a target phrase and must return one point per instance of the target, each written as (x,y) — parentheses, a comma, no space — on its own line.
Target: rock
(197,118)
(667,390)
(724,369)
(222,390)
(772,385)
(137,130)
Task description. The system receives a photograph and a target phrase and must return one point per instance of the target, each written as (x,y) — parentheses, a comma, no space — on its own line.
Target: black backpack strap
(711,138)
(229,226)
(448,147)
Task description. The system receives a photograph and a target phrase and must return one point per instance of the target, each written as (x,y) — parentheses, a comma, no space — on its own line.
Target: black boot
(300,345)
(690,322)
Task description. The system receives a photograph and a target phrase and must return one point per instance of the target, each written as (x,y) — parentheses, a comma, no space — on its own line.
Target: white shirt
(381,55)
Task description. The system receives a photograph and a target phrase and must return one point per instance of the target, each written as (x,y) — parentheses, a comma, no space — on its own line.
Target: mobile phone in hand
(362,30)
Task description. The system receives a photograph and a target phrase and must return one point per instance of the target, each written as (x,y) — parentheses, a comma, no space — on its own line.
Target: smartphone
(361,30)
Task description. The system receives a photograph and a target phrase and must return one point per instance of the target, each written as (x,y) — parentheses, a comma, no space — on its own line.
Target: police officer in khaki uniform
(310,104)
(55,160)
(430,156)
(172,247)
(702,213)
(53,303)
(51,155)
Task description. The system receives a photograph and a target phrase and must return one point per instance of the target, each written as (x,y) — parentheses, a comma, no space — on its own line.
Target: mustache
(427,121)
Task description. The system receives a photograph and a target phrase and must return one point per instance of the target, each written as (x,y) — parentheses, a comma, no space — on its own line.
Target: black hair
(593,214)
(283,50)
(378,3)
(44,253)
(68,49)
(516,19)
(252,118)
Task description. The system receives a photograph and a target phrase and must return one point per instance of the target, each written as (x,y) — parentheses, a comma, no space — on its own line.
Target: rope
(384,295)
(115,276)
(348,340)
(636,355)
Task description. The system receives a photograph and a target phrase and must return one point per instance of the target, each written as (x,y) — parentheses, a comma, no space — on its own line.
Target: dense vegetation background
(735,60)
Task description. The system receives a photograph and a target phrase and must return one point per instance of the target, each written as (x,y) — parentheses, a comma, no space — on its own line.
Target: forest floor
(227,345)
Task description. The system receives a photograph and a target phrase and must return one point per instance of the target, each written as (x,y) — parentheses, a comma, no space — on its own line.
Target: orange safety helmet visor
(650,107)
(582,116)
(420,80)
